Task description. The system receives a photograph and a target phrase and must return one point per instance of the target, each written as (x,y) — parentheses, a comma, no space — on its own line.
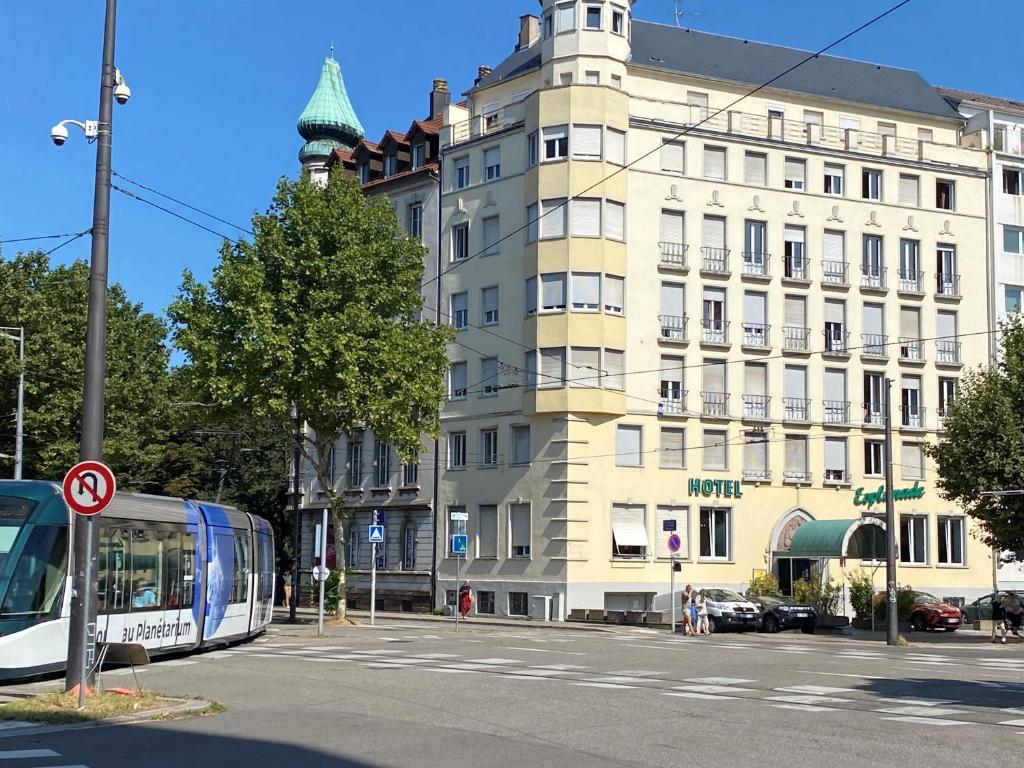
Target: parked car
(778,612)
(981,609)
(928,612)
(729,610)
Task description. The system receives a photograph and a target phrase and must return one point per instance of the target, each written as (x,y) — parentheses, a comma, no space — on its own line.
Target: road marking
(469,665)
(450,671)
(7,725)
(1014,723)
(540,672)
(916,711)
(622,679)
(809,699)
(379,665)
(544,650)
(812,689)
(718,680)
(843,674)
(926,721)
(386,652)
(804,708)
(639,672)
(27,754)
(921,702)
(693,695)
(604,685)
(493,661)
(438,655)
(562,667)
(712,689)
(177,663)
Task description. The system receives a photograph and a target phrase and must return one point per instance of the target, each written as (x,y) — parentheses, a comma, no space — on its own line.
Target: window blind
(714,449)
(796,311)
(755,379)
(910,460)
(586,290)
(672,299)
(714,376)
(531,295)
(614,294)
(458,379)
(835,453)
(796,453)
(794,234)
(909,190)
(492,156)
(586,141)
(945,325)
(671,227)
(755,170)
(795,171)
(713,232)
(586,217)
(834,311)
(627,445)
(489,372)
(586,367)
(615,147)
(754,307)
(552,366)
(873,319)
(490,300)
(833,246)
(492,233)
(910,323)
(794,382)
(552,291)
(614,220)
(714,163)
(552,223)
(755,453)
(672,157)
(671,451)
(614,360)
(565,17)
(835,384)
(520,444)
(681,516)
(532,227)
(487,531)
(519,524)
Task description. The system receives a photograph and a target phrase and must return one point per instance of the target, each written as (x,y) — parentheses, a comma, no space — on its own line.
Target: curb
(186,706)
(363,616)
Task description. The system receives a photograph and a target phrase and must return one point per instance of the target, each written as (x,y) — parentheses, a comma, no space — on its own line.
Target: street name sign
(89,487)
(668,525)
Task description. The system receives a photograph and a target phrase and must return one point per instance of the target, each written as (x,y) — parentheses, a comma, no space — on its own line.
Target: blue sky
(217,86)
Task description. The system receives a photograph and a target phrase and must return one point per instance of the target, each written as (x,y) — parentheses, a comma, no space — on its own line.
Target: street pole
(82,632)
(436,503)
(891,618)
(672,589)
(458,578)
(323,566)
(19,432)
(296,459)
(373,577)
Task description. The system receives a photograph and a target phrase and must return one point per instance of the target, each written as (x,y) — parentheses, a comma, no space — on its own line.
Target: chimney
(529,31)
(439,97)
(481,72)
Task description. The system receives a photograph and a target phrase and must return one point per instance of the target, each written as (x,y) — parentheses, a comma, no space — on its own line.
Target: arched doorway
(786,569)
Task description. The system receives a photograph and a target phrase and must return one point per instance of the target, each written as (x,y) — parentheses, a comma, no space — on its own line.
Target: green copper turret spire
(328,122)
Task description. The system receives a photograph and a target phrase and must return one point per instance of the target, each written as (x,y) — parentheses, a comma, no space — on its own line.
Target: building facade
(674,311)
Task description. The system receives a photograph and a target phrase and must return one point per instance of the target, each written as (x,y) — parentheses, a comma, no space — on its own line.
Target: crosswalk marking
(604,685)
(918,711)
(804,707)
(914,700)
(27,754)
(726,689)
(718,680)
(926,721)
(1014,723)
(812,689)
(808,699)
(695,695)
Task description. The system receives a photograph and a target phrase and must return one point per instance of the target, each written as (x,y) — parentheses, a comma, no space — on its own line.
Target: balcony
(947,352)
(940,416)
(673,329)
(874,415)
(910,282)
(874,345)
(715,404)
(873,279)
(911,350)
(837,343)
(797,476)
(757,475)
(714,261)
(836,477)
(756,335)
(947,286)
(482,125)
(756,407)
(912,417)
(672,401)
(836,411)
(755,265)
(796,409)
(673,256)
(796,269)
(714,332)
(835,274)
(795,339)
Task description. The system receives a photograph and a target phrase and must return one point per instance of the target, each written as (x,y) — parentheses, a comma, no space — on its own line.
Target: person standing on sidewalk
(465,599)
(700,604)
(687,604)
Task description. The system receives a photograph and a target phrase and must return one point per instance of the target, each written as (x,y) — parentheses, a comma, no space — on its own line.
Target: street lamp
(18,335)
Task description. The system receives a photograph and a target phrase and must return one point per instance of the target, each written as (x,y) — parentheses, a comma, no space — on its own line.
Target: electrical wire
(68,242)
(172,213)
(4,241)
(183,203)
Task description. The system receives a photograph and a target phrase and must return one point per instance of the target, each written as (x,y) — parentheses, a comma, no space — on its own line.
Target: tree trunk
(340,556)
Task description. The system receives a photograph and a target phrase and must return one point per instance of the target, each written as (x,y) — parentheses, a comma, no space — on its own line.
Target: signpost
(376,537)
(325,572)
(674,545)
(460,545)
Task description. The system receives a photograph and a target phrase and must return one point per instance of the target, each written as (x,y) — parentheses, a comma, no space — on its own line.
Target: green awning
(860,539)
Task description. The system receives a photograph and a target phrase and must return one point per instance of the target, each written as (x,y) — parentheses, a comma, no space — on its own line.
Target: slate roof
(996,102)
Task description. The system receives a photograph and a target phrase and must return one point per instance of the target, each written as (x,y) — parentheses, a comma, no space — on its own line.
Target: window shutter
(492,156)
(834,312)
(489,371)
(490,300)
(873,322)
(614,220)
(910,459)
(519,523)
(946,326)
(586,217)
(714,376)
(586,290)
(714,163)
(614,360)
(552,291)
(458,379)
(627,445)
(713,232)
(833,246)
(796,453)
(521,444)
(552,366)
(835,385)
(586,141)
(487,531)
(754,168)
(614,293)
(671,451)
(565,17)
(531,295)
(615,147)
(714,449)
(755,453)
(531,223)
(755,379)
(835,453)
(796,311)
(586,367)
(910,323)
(552,223)
(460,303)
(492,234)
(754,307)
(909,188)
(672,299)
(794,234)
(671,229)
(795,171)
(628,515)
(794,382)
(672,157)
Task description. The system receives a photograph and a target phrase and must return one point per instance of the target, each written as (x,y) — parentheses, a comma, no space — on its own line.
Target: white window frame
(456,453)
(492,171)
(556,146)
(460,242)
(460,178)
(587,8)
(490,316)
(489,447)
(713,514)
(525,552)
(874,446)
(945,535)
(834,175)
(515,458)
(911,545)
(624,459)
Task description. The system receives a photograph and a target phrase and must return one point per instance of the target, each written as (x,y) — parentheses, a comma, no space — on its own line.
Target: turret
(328,122)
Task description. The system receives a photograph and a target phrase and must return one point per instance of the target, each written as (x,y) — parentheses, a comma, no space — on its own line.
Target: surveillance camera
(122,93)
(59,134)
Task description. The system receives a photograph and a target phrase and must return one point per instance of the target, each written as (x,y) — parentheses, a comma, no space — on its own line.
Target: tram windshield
(30,587)
(13,513)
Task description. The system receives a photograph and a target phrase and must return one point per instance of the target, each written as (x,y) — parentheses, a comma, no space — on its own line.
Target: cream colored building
(702,333)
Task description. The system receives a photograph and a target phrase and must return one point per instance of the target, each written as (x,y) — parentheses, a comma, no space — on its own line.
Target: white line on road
(493,661)
(920,702)
(27,754)
(544,650)
(712,689)
(808,699)
(694,695)
(843,674)
(804,707)
(718,680)
(927,721)
(1014,723)
(604,685)
(813,689)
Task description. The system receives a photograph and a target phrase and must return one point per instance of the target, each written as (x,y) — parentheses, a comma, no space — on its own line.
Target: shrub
(862,594)
(823,597)
(332,592)
(763,584)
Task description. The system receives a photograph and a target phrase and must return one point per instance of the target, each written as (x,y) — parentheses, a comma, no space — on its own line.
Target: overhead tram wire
(172,213)
(5,240)
(710,116)
(183,203)
(68,241)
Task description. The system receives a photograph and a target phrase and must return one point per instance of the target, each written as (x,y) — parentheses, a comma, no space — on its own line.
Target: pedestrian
(465,599)
(1013,614)
(687,604)
(288,590)
(997,618)
(701,605)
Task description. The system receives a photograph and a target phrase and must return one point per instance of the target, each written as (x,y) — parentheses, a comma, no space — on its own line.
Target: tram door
(178,552)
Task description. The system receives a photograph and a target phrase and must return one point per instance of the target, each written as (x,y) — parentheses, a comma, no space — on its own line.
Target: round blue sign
(674,543)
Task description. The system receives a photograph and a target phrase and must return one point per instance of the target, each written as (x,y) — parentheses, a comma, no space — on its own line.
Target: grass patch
(60,708)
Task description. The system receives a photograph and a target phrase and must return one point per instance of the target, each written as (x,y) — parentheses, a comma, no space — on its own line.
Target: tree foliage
(983,445)
(320,310)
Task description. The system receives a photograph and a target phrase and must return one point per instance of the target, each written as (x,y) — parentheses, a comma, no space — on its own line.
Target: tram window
(147,570)
(188,568)
(119,553)
(39,574)
(266,568)
(103,571)
(239,582)
(172,570)
(13,513)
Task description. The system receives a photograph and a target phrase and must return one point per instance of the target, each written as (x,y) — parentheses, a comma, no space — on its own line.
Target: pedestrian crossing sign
(460,543)
(376,534)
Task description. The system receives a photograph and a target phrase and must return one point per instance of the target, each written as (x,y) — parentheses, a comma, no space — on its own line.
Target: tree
(320,310)
(983,445)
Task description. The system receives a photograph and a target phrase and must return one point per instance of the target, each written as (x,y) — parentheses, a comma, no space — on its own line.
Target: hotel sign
(728,489)
(863,498)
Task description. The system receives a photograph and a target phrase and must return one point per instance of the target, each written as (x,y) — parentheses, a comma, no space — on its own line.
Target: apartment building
(679,309)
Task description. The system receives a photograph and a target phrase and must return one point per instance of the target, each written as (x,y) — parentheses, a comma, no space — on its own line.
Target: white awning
(629,534)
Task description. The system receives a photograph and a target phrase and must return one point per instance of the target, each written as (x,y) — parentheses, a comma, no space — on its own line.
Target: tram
(173,575)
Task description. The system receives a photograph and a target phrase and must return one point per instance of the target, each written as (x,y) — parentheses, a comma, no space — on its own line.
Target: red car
(928,612)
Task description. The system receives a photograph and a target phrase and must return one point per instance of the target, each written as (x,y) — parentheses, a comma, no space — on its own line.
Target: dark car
(981,609)
(778,612)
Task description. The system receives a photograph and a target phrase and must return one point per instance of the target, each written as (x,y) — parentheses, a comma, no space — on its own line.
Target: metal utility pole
(82,634)
(296,459)
(323,571)
(891,618)
(436,501)
(18,335)
(373,574)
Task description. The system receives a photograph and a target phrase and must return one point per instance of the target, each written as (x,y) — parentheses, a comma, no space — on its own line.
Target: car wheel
(771,624)
(711,624)
(917,623)
(809,629)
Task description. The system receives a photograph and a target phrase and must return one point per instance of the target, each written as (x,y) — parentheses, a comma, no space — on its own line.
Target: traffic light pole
(82,633)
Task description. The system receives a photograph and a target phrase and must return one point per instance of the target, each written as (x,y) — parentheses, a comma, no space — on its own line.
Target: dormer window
(364,172)
(418,156)
(390,164)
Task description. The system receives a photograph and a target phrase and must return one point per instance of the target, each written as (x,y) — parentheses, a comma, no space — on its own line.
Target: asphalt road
(419,695)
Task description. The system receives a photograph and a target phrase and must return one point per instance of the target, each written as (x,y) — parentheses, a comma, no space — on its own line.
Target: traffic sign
(674,543)
(376,534)
(460,543)
(321,572)
(88,487)
(668,525)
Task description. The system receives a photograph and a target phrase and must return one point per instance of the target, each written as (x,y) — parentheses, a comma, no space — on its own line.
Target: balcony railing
(874,414)
(481,125)
(757,475)
(756,406)
(755,264)
(947,352)
(673,255)
(794,338)
(874,344)
(947,284)
(837,342)
(910,281)
(796,409)
(835,273)
(796,476)
(912,417)
(756,335)
(911,350)
(940,415)
(836,477)
(714,331)
(837,411)
(714,260)
(873,277)
(672,401)
(673,327)
(797,268)
(715,403)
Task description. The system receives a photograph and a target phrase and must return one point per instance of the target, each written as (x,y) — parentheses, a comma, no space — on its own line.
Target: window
(813,117)
(715,449)
(565,78)
(1013,295)
(617,82)
(911,461)
(593,18)
(614,360)
(874,458)
(457,381)
(614,292)
(492,234)
(951,540)
(415,225)
(1013,240)
(409,547)
(795,261)
(37,580)
(519,530)
(795,468)
(871,184)
(556,142)
(565,18)
(913,539)
(586,367)
(531,296)
(629,531)
(552,367)
(353,547)
(552,217)
(492,163)
(672,156)
(715,533)
(519,602)
(614,220)
(462,173)
(519,437)
(586,217)
(629,446)
(383,468)
(615,143)
(833,179)
(1013,181)
(586,142)
(886,129)
(364,172)
(617,18)
(835,460)
(755,168)
(586,291)
(456,450)
(485,602)
(489,377)
(489,447)
(681,516)
(671,386)
(390,164)
(672,451)
(532,224)
(945,195)
(796,173)
(460,242)
(489,302)
(460,310)
(552,292)
(549,26)
(418,155)
(910,190)
(487,531)
(755,456)
(531,149)
(714,163)
(411,474)
(355,462)
(591,77)
(947,395)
